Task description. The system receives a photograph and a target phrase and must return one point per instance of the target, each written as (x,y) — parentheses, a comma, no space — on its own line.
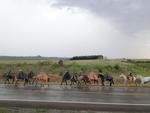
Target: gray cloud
(75,27)
(128,15)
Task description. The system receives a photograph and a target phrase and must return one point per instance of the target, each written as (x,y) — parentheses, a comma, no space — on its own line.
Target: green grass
(26,110)
(112,66)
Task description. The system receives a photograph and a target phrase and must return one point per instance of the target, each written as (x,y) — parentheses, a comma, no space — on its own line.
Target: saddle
(107,77)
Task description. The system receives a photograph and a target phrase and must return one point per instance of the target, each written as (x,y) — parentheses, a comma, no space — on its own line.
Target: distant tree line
(87,57)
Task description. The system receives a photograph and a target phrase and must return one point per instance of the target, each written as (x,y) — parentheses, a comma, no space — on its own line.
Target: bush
(60,62)
(117,67)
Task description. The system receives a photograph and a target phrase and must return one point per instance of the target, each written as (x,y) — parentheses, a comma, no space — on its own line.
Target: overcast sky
(65,28)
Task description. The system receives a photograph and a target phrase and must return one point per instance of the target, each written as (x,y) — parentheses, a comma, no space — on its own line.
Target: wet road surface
(91,96)
(131,95)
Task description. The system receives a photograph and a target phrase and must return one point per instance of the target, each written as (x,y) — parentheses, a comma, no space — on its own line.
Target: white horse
(123,79)
(142,80)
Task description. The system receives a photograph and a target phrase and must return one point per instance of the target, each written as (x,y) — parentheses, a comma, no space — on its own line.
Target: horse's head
(31,74)
(100,75)
(9,75)
(74,77)
(5,75)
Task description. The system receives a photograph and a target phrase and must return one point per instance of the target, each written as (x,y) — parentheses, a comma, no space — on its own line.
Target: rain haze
(66,28)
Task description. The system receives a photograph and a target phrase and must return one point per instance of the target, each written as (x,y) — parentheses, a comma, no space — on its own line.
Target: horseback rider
(130,76)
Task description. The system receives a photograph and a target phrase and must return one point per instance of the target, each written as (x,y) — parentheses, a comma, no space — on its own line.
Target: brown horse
(88,78)
(41,77)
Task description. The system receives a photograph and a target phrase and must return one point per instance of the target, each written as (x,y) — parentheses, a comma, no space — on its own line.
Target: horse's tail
(124,78)
(139,80)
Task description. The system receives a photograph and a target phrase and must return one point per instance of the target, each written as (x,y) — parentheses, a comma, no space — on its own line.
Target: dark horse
(10,75)
(24,76)
(67,76)
(106,77)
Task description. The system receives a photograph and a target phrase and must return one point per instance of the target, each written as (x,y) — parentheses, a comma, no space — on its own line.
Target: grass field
(51,66)
(22,110)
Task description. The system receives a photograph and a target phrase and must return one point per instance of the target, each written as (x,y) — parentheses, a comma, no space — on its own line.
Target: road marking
(102,93)
(74,102)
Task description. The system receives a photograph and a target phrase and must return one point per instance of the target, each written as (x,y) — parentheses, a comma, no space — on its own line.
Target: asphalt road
(86,97)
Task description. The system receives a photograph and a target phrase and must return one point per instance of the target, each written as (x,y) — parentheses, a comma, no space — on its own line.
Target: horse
(41,77)
(106,77)
(126,79)
(11,75)
(142,80)
(24,76)
(88,78)
(67,76)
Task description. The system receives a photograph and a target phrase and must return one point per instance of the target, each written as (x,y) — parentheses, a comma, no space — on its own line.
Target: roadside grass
(26,110)
(113,66)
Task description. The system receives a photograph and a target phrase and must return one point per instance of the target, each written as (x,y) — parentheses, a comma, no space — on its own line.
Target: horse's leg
(71,82)
(84,82)
(5,82)
(94,82)
(33,81)
(125,82)
(90,82)
(110,82)
(135,83)
(78,82)
(44,82)
(102,81)
(36,82)
(8,81)
(16,82)
(29,81)
(25,81)
(62,81)
(97,82)
(48,84)
(47,80)
(12,82)
(66,82)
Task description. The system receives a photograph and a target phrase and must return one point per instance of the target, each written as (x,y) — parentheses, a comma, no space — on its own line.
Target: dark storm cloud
(127,15)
